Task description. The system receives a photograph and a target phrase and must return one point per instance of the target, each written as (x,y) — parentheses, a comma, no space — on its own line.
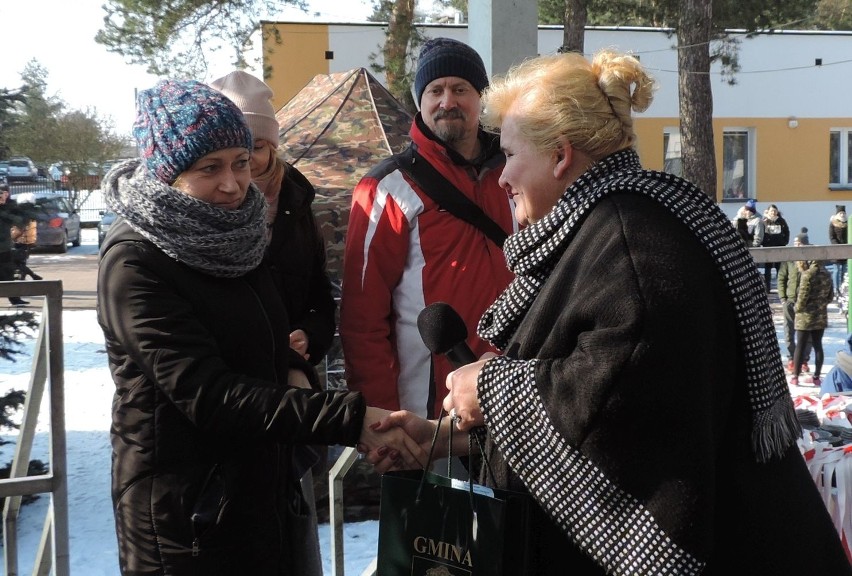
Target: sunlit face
(772,213)
(534,179)
(261,156)
(4,195)
(450,108)
(220,178)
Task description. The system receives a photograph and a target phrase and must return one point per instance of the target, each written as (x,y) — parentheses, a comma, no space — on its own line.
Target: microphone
(443,331)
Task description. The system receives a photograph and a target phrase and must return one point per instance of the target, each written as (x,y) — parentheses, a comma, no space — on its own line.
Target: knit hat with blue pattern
(442,57)
(179,121)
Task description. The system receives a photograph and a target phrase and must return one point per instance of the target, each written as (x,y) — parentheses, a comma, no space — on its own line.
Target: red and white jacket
(402,253)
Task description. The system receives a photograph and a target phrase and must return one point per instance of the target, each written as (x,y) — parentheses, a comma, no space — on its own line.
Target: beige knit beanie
(252,96)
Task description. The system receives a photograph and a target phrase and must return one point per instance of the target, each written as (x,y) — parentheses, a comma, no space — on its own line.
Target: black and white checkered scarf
(609,524)
(222,243)
(532,253)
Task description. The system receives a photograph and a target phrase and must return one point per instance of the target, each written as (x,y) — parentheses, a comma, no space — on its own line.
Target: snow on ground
(88,395)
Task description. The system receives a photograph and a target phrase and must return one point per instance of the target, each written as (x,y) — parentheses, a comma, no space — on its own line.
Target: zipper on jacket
(270,329)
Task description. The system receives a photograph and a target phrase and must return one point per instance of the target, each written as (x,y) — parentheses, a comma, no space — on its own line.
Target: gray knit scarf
(222,243)
(532,253)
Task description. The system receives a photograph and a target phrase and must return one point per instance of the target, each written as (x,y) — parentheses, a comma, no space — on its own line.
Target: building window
(737,160)
(737,174)
(671,152)
(840,160)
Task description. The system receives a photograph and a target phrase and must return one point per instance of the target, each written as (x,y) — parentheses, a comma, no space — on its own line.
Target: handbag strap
(446,195)
(472,436)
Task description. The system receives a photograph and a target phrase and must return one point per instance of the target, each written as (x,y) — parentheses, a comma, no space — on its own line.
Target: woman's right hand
(389,447)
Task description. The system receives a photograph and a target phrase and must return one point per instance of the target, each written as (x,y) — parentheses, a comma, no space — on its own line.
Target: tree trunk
(696,95)
(574,26)
(395,50)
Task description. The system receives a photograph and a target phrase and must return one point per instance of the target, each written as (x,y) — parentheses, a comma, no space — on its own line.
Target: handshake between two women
(402,440)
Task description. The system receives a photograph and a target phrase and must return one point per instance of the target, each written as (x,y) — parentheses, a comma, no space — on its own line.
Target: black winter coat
(837,232)
(204,425)
(297,260)
(638,367)
(775,232)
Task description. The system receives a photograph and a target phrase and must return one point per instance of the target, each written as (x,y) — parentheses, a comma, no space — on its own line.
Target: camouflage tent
(334,130)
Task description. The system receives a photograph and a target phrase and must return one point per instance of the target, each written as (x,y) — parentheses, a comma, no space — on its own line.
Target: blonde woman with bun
(639,396)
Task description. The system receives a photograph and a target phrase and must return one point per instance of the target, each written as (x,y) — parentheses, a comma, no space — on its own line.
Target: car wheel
(78,238)
(63,246)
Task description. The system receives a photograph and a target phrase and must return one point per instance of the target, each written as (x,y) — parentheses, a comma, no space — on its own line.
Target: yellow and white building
(783,131)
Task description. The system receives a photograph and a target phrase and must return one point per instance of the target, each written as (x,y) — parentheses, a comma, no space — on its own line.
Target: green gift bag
(431,525)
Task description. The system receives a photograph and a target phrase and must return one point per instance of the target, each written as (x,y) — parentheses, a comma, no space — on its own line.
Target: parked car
(107,218)
(4,169)
(57,222)
(22,168)
(75,175)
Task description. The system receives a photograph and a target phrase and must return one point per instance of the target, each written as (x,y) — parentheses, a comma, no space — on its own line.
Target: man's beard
(450,132)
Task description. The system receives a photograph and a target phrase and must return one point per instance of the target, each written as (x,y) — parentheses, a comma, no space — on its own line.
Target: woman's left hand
(462,401)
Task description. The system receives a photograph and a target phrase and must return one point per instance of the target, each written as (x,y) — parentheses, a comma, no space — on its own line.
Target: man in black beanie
(405,249)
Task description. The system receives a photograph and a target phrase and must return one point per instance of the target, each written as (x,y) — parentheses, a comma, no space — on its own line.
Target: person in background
(740,223)
(815,294)
(749,225)
(24,237)
(8,219)
(837,234)
(839,378)
(788,291)
(210,399)
(296,252)
(775,233)
(658,435)
(404,251)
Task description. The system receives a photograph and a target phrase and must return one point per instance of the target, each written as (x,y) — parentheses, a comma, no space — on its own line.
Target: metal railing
(47,369)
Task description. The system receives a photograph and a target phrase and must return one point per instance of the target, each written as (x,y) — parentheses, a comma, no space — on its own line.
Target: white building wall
(778,76)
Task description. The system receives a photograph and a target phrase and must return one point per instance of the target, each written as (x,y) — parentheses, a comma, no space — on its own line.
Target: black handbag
(433,525)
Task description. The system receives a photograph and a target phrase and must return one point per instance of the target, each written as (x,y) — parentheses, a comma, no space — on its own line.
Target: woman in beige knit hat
(296,247)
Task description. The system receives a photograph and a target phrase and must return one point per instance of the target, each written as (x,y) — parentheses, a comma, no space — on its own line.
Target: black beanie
(839,208)
(442,57)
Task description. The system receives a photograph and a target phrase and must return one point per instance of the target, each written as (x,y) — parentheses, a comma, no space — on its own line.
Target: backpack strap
(446,195)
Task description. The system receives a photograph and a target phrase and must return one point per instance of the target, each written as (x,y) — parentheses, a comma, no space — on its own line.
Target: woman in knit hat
(296,250)
(211,402)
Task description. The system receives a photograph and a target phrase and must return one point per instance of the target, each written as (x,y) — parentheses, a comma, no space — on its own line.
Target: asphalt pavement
(77,269)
